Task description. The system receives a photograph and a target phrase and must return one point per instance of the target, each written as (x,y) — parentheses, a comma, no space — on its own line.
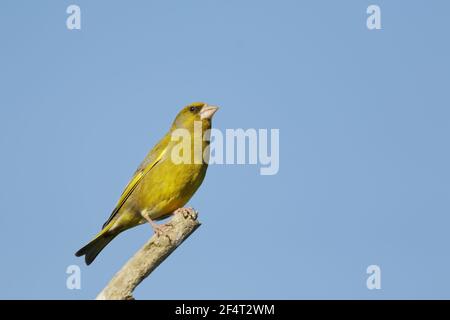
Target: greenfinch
(160,185)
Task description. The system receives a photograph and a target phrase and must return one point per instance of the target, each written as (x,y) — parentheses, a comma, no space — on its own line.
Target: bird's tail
(93,248)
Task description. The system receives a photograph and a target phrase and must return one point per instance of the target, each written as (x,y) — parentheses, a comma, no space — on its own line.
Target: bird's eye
(192,109)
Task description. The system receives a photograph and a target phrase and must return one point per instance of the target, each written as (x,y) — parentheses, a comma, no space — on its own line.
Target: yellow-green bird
(160,185)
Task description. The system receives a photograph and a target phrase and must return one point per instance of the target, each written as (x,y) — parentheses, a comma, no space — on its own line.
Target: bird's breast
(168,187)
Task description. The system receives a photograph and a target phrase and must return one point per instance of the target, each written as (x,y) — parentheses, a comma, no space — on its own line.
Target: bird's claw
(188,213)
(160,229)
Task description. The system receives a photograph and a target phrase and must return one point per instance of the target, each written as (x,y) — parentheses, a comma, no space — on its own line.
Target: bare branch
(150,256)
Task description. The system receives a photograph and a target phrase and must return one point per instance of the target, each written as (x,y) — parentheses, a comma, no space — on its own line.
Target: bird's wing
(153,157)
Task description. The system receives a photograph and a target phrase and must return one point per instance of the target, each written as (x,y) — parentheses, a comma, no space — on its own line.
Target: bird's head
(197,111)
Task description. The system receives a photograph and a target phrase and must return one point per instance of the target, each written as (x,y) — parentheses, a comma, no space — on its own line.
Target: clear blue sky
(364,119)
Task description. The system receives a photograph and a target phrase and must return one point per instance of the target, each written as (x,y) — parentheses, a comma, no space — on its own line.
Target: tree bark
(183,223)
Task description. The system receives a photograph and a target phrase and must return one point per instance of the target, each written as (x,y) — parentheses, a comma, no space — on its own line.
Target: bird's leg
(157,228)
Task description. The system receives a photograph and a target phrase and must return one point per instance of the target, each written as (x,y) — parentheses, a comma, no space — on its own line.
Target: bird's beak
(207,111)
